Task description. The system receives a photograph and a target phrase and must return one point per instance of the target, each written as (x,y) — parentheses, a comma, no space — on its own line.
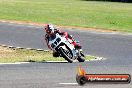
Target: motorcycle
(65,48)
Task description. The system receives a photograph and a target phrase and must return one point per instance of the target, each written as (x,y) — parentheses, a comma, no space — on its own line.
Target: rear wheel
(81,59)
(66,54)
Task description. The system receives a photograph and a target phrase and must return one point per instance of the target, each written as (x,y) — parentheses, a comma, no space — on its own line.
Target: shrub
(112,0)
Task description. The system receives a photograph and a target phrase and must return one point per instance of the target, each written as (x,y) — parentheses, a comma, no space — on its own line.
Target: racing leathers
(66,35)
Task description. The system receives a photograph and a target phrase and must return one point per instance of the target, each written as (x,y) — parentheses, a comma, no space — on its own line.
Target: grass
(105,15)
(8,55)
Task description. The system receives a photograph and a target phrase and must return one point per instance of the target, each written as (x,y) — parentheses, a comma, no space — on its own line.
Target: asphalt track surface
(115,47)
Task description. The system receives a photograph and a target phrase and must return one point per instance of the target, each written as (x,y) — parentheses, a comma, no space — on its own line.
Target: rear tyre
(64,55)
(81,59)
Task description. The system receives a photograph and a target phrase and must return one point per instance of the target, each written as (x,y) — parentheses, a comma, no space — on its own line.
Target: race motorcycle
(65,48)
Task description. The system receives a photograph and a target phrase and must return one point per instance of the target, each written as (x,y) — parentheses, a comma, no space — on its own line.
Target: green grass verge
(8,55)
(106,15)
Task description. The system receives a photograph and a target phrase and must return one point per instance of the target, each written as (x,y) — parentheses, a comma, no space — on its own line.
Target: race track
(115,47)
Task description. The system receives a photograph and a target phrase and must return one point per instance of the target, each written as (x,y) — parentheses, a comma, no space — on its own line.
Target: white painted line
(68,83)
(46,50)
(14,63)
(29,48)
(7,63)
(56,61)
(22,62)
(98,58)
(11,47)
(4,45)
(64,61)
(40,50)
(46,61)
(87,60)
(19,48)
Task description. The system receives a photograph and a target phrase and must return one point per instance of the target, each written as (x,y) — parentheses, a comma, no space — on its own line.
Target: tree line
(129,1)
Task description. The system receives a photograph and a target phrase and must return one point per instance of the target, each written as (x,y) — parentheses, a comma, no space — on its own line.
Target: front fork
(79,53)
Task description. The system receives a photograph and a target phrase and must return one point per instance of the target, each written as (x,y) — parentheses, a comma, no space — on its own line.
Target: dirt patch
(5,50)
(71,27)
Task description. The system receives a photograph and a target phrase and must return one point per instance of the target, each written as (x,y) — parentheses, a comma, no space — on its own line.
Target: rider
(51,30)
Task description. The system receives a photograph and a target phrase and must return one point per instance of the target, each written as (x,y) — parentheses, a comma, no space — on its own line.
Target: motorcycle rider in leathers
(51,30)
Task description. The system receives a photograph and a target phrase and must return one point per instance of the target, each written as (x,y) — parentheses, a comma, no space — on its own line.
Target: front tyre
(65,55)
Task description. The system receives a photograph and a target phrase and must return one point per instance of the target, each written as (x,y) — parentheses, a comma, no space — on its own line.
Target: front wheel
(81,58)
(66,54)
